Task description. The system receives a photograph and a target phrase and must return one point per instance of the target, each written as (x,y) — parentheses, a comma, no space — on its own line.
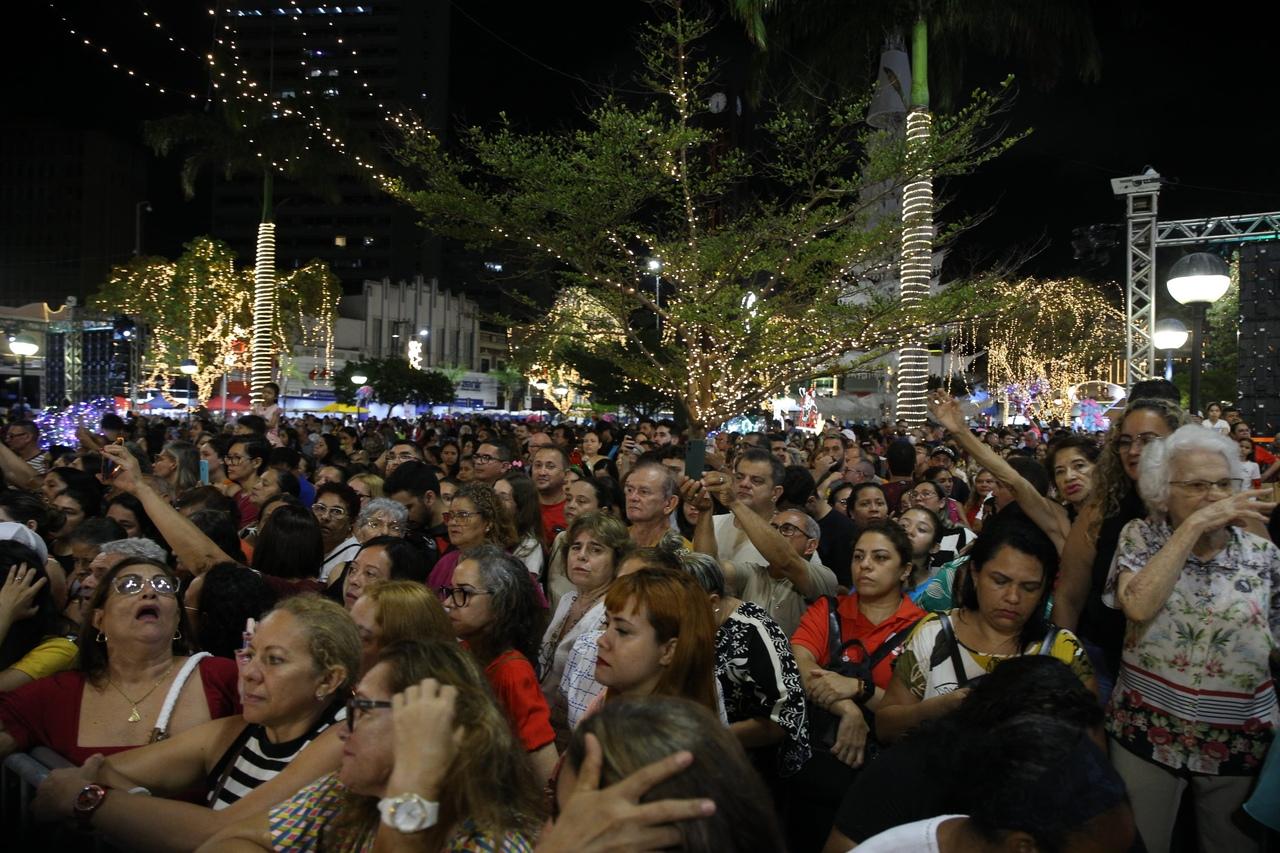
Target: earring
(177,634)
(101,638)
(321,696)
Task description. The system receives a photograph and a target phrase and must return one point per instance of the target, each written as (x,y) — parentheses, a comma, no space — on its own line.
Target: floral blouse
(1195,691)
(759,678)
(298,823)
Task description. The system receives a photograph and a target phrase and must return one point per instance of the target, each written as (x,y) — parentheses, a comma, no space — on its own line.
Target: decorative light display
(201,308)
(264,307)
(916,272)
(58,426)
(1051,337)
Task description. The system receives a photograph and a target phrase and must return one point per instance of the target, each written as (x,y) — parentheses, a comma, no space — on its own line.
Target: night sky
(1181,90)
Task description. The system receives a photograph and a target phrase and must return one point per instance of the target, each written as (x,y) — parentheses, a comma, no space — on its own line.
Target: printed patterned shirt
(1195,691)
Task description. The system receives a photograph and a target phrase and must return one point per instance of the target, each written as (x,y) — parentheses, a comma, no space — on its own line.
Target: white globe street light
(359,379)
(1170,335)
(188,367)
(1198,280)
(23,346)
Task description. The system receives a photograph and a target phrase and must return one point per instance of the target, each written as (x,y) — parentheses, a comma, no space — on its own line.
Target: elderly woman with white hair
(1194,703)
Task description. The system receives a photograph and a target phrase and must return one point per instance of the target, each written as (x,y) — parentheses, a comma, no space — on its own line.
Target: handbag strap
(834,648)
(161,731)
(962,677)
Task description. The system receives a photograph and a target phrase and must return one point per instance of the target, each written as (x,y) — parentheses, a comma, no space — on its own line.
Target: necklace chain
(134,716)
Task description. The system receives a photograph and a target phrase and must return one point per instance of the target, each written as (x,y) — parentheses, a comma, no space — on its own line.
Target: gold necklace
(134,716)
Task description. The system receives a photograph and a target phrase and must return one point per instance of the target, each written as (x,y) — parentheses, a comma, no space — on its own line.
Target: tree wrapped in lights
(201,307)
(1053,336)
(760,253)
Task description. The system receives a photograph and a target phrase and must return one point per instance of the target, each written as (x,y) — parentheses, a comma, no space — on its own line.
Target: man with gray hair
(112,554)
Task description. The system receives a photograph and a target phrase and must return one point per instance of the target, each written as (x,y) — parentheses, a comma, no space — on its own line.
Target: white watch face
(413,814)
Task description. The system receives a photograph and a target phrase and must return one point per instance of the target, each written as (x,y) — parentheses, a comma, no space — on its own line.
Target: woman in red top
(132,648)
(494,609)
(877,620)
(877,612)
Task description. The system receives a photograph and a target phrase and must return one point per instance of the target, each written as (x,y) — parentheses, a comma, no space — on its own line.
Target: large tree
(250,136)
(716,275)
(200,307)
(1050,35)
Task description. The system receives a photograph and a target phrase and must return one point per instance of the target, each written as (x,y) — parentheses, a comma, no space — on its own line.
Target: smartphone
(204,472)
(695,459)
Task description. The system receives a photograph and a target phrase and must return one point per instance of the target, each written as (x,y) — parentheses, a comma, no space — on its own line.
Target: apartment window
(340,241)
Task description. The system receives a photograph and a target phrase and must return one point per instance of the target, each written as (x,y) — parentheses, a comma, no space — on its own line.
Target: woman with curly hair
(493,608)
(1091,544)
(476,516)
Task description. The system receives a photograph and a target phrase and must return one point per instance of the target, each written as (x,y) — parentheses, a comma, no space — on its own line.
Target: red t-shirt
(46,712)
(814,631)
(553,521)
(516,687)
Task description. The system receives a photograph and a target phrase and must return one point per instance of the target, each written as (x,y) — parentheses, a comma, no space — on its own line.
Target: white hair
(396,510)
(1156,465)
(137,549)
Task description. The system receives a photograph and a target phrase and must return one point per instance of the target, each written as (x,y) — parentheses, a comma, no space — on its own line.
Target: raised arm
(704,532)
(197,551)
(16,471)
(1075,577)
(1047,515)
(771,544)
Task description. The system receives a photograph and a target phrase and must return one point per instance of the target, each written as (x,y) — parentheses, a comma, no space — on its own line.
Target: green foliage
(765,253)
(394,381)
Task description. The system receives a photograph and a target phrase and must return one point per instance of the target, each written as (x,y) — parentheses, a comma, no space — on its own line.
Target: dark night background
(1186,92)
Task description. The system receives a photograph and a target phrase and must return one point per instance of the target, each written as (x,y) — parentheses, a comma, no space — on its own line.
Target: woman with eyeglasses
(1091,543)
(296,671)
(597,545)
(428,763)
(476,517)
(380,517)
(133,650)
(1194,704)
(494,610)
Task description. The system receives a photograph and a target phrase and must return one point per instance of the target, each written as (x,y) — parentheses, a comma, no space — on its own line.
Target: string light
(105,54)
(264,307)
(917,271)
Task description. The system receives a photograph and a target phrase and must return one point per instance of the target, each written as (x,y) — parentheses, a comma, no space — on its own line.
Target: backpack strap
(949,632)
(834,648)
(1050,637)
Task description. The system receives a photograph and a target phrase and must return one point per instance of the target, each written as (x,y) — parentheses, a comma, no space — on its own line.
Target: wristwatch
(87,801)
(409,813)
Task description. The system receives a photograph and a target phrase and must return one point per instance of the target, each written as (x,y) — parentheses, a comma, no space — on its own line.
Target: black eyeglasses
(459,596)
(358,704)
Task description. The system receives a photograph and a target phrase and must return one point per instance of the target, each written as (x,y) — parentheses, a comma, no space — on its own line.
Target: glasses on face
(402,457)
(483,458)
(235,460)
(460,515)
(324,509)
(1201,488)
(132,584)
(19,434)
(1125,442)
(788,529)
(459,596)
(359,706)
(385,525)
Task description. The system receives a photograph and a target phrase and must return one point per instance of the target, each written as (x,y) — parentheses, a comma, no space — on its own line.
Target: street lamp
(1170,335)
(359,379)
(22,346)
(655,267)
(1198,280)
(188,367)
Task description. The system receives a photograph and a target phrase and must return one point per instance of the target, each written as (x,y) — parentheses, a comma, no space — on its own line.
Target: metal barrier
(22,774)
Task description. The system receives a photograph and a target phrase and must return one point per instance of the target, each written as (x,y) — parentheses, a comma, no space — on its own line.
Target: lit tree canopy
(762,252)
(1052,336)
(200,307)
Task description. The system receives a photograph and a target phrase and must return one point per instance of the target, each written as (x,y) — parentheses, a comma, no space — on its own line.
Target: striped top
(252,759)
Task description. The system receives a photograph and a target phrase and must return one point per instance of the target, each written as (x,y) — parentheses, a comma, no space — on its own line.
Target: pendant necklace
(134,716)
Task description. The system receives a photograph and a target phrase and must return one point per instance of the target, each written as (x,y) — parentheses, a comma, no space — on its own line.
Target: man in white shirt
(768,557)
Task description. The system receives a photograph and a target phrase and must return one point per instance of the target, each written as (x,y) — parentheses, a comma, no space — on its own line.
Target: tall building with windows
(351,58)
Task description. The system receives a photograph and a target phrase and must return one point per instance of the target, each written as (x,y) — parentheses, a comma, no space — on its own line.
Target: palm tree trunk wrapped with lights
(917,234)
(264,294)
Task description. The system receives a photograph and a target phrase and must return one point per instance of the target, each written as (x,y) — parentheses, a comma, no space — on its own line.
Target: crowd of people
(472,634)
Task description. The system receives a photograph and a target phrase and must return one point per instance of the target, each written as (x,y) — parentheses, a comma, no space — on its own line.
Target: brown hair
(678,609)
(490,780)
(502,527)
(408,611)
